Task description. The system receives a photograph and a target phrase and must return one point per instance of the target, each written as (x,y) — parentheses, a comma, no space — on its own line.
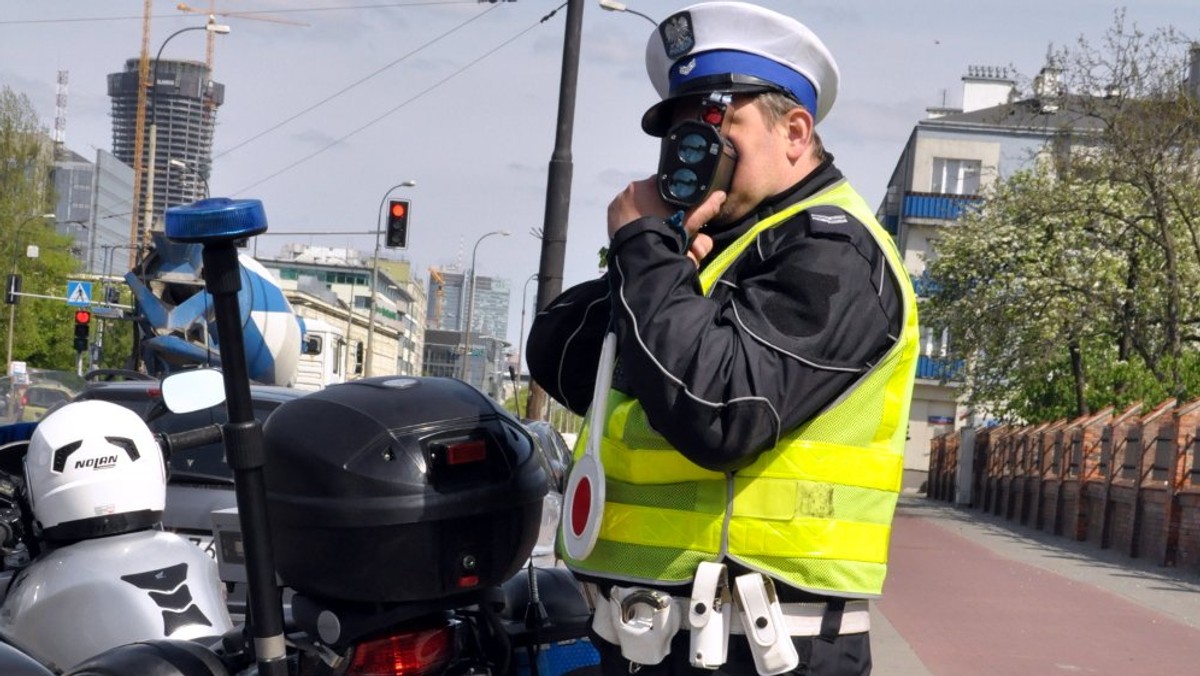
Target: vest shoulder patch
(831,222)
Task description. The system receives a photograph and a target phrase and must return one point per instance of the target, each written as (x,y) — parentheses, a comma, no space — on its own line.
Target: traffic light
(358,358)
(83,319)
(13,288)
(397,224)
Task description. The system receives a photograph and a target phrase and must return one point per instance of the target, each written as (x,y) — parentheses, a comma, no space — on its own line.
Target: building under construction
(181,106)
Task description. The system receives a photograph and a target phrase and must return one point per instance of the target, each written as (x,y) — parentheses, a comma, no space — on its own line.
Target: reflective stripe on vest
(814,511)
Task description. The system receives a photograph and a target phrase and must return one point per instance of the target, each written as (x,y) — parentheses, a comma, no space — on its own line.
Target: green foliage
(25,150)
(117,336)
(1111,382)
(564,420)
(561,418)
(43,329)
(516,403)
(1074,286)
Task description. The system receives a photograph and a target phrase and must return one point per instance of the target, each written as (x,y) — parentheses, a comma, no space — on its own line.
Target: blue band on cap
(721,62)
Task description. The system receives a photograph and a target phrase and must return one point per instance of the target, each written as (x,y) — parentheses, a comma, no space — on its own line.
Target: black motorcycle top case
(398,489)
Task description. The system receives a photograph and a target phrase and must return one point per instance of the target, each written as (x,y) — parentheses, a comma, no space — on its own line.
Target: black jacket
(792,324)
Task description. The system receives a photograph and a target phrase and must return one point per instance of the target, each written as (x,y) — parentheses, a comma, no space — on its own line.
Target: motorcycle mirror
(196,390)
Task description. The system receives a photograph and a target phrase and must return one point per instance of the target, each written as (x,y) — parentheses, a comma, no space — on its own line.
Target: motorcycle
(401,511)
(163,586)
(398,510)
(90,568)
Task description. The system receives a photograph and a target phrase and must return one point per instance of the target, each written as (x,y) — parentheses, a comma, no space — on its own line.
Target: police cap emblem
(677,35)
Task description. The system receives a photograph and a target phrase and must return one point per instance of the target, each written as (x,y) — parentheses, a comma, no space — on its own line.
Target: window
(956,177)
(312,345)
(934,343)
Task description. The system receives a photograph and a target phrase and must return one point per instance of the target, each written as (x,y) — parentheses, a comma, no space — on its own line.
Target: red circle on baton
(581,505)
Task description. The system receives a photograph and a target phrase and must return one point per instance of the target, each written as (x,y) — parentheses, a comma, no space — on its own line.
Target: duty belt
(643,621)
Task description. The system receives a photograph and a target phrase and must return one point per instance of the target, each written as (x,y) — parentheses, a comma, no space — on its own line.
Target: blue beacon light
(216,219)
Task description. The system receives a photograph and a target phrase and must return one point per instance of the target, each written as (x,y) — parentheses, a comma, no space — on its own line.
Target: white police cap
(736,47)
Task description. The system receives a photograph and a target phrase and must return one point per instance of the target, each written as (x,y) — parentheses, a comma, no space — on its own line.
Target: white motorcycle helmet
(93,469)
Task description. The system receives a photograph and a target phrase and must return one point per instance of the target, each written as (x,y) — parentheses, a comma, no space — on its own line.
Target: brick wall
(1189,533)
(1127,481)
(1120,517)
(1093,505)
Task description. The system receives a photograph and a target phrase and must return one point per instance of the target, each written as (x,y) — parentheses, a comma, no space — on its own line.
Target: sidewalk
(971,594)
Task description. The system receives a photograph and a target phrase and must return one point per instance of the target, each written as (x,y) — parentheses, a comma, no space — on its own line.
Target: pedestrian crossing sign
(79,293)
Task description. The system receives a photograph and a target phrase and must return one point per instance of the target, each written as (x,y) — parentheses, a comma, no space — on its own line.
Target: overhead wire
(402,104)
(347,88)
(380,5)
(352,85)
(246,13)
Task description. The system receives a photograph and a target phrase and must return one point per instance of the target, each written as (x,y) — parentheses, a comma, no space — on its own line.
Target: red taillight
(466,452)
(413,653)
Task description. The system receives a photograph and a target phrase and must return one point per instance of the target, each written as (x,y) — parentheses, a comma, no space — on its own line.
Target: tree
(1151,132)
(44,328)
(117,337)
(1071,288)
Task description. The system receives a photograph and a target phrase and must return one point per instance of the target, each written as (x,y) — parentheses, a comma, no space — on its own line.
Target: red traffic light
(397,224)
(82,319)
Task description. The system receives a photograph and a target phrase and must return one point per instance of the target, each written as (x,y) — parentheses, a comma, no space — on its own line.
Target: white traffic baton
(584,499)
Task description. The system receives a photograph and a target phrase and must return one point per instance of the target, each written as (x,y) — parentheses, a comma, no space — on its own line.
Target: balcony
(938,206)
(923,285)
(939,368)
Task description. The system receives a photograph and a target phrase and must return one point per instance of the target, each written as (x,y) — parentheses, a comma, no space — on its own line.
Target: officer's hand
(699,247)
(704,212)
(701,244)
(638,199)
(641,198)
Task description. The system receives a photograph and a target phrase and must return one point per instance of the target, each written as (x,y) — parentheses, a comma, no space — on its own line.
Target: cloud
(315,138)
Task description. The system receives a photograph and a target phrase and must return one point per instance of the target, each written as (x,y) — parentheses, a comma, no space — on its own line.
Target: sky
(321,119)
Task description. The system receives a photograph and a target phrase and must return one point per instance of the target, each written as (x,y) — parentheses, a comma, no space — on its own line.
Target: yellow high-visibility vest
(814,512)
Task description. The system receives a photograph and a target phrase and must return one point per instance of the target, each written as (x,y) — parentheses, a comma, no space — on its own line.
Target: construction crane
(212,13)
(439,294)
(139,169)
(139,164)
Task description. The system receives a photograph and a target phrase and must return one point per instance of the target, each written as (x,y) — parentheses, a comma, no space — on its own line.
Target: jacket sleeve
(791,325)
(563,348)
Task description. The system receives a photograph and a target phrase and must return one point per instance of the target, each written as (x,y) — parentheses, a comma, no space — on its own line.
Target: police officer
(753,437)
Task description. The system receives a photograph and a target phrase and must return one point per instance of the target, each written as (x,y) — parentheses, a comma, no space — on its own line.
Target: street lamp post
(471,303)
(12,309)
(369,354)
(558,178)
(521,344)
(148,208)
(151,160)
(180,164)
(614,6)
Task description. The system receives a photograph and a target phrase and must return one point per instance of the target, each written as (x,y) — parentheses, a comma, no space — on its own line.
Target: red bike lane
(966,610)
